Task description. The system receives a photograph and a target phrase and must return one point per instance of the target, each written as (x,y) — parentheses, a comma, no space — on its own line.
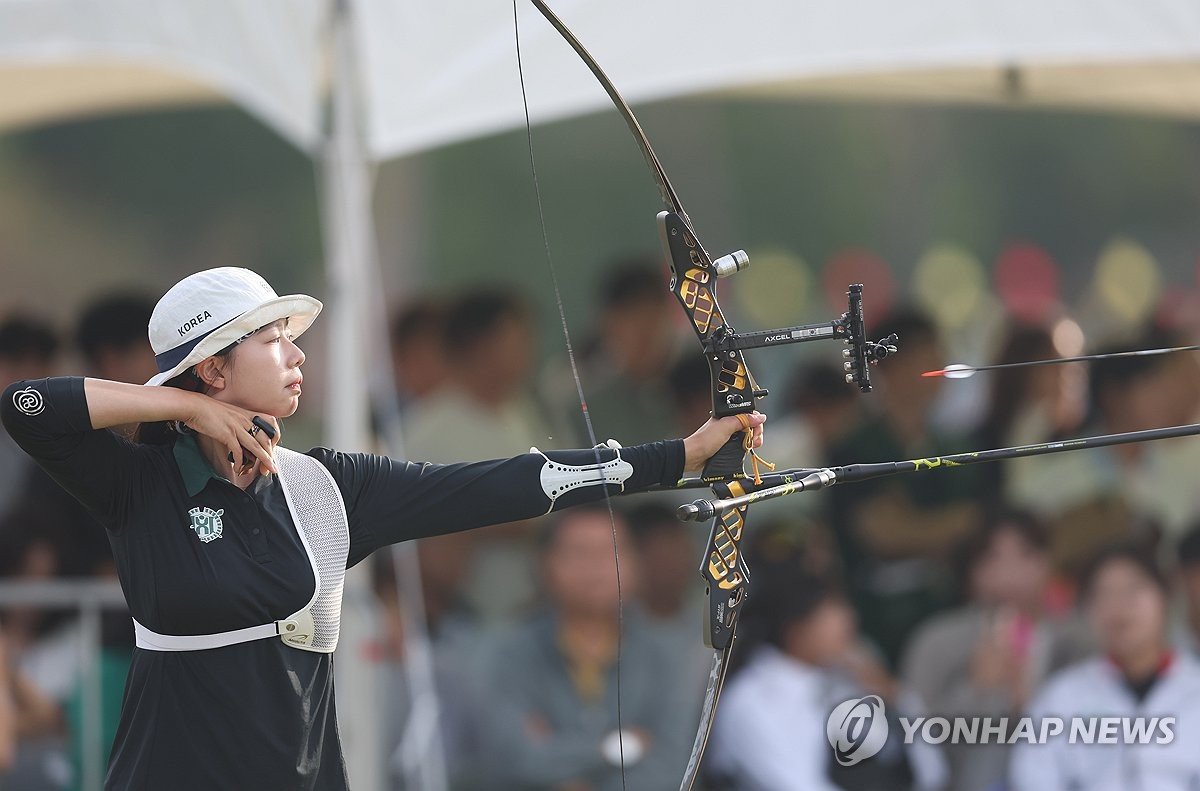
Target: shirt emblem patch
(207,523)
(29,402)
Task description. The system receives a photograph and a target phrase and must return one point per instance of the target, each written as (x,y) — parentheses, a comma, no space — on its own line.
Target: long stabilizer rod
(703,510)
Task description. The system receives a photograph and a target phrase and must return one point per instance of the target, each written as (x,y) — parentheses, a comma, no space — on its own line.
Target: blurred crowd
(1062,584)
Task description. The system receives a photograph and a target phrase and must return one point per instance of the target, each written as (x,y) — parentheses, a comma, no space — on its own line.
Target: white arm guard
(558,479)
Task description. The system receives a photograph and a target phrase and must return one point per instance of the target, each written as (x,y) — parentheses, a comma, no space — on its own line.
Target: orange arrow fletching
(956,371)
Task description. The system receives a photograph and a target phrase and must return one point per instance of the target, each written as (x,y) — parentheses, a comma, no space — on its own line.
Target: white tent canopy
(70,58)
(1142,56)
(434,73)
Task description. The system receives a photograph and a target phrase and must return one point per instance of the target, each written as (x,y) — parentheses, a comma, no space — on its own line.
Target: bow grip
(729,461)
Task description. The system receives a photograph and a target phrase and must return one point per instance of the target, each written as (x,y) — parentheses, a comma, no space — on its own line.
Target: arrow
(961,371)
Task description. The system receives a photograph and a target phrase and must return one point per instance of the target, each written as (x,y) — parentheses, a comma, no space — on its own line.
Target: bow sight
(692,270)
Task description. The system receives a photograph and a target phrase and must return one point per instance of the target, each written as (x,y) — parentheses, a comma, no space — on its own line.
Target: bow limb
(733,391)
(660,175)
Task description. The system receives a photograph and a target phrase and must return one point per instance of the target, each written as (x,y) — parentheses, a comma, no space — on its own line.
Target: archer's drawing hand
(709,438)
(230,427)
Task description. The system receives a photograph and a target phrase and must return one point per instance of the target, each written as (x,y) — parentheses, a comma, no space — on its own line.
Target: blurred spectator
(670,593)
(1107,495)
(482,411)
(820,409)
(555,674)
(43,649)
(418,351)
(51,536)
(667,546)
(1137,675)
(1188,639)
(112,336)
(39,763)
(43,512)
(31,547)
(8,713)
(1134,393)
(1033,402)
(445,562)
(27,350)
(1031,405)
(986,658)
(465,721)
(623,366)
(896,534)
(690,385)
(802,659)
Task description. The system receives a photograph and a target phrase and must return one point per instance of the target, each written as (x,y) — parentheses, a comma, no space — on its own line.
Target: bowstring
(583,407)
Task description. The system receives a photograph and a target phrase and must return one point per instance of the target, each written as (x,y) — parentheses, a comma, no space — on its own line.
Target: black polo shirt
(197,555)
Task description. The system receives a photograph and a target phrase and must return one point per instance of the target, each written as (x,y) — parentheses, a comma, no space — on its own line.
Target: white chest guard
(320,516)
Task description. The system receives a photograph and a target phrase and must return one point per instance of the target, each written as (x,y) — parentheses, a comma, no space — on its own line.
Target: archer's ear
(211,373)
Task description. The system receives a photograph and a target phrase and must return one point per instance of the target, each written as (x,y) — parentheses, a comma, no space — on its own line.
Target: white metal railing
(89,598)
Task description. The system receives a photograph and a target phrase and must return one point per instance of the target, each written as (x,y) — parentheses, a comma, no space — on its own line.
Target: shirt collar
(197,472)
(193,467)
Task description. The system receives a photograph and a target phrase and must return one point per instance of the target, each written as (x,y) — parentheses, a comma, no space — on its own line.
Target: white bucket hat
(207,311)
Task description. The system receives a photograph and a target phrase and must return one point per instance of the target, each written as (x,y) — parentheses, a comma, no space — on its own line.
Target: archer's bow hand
(712,436)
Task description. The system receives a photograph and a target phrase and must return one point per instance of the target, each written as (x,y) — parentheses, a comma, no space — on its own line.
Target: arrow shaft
(973,369)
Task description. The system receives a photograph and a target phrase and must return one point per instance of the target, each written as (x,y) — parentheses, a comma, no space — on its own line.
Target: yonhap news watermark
(858,729)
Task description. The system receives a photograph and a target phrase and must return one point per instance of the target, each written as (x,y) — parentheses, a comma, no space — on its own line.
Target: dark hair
(1119,373)
(26,338)
(649,520)
(551,526)
(1136,554)
(786,590)
(163,432)
(784,594)
(477,314)
(383,575)
(816,384)
(421,316)
(1189,548)
(25,524)
(688,377)
(912,326)
(632,282)
(113,322)
(1024,524)
(971,551)
(1010,387)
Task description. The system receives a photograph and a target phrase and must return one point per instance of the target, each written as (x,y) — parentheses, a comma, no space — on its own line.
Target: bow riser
(693,280)
(725,572)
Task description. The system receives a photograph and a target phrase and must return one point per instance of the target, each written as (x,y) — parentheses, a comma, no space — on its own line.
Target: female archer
(231,549)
